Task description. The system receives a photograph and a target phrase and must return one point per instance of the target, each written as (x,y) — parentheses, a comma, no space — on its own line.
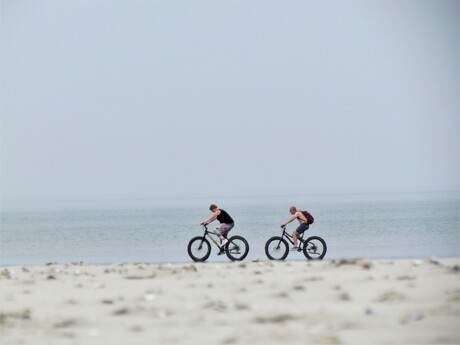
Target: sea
(158,230)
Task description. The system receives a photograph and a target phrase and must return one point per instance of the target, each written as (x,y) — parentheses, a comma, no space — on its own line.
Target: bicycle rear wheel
(315,248)
(237,248)
(199,248)
(276,248)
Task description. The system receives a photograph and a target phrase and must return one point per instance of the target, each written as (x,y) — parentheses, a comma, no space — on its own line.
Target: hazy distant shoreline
(174,201)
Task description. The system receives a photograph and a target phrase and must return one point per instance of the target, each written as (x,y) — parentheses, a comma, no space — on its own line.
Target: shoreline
(336,301)
(210,261)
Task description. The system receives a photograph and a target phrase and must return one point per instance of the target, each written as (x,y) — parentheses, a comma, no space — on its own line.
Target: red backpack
(309,217)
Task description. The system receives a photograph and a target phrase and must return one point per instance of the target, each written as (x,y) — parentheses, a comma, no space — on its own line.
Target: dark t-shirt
(224,217)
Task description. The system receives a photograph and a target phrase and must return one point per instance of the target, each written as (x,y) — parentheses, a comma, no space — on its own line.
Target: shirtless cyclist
(303,224)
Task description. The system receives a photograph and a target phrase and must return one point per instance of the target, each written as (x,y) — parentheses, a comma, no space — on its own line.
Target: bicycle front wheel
(237,248)
(315,248)
(199,248)
(276,248)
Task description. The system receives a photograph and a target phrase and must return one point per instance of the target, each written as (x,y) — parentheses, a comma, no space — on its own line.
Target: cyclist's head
(213,207)
(292,209)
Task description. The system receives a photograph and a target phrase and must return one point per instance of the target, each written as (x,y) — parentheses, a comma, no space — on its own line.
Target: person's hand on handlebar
(283,226)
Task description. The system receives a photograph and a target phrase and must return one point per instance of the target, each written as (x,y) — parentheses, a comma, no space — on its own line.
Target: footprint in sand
(390,296)
(406,277)
(136,329)
(189,268)
(241,306)
(280,318)
(453,297)
(122,311)
(10,318)
(230,340)
(5,274)
(454,269)
(344,296)
(433,261)
(140,277)
(66,323)
(216,305)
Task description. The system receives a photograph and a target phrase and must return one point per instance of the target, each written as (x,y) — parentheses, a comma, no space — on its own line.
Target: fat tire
(246,251)
(305,252)
(283,241)
(205,242)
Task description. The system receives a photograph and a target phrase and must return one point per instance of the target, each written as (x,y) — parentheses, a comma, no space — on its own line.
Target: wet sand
(355,301)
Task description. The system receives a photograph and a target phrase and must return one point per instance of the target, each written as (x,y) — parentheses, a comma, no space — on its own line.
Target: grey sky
(194,98)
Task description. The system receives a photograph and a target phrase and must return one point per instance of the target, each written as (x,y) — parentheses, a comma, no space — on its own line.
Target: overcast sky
(115,99)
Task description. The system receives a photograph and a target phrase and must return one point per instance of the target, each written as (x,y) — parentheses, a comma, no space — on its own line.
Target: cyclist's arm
(212,218)
(294,217)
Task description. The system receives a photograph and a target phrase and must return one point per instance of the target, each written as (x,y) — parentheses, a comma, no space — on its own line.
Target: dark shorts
(301,228)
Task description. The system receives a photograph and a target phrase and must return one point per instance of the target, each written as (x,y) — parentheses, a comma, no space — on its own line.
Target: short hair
(212,207)
(292,208)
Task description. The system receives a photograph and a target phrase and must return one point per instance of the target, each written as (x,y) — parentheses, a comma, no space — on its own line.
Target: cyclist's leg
(219,231)
(299,231)
(226,230)
(294,237)
(222,230)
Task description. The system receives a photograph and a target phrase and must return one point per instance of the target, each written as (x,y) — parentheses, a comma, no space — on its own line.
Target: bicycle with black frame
(277,248)
(199,247)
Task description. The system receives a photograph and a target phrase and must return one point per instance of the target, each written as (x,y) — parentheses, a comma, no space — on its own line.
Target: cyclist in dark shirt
(226,222)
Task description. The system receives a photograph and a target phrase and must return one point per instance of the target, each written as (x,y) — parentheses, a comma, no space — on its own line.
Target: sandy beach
(358,301)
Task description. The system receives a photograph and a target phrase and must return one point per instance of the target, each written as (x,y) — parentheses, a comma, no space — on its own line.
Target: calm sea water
(383,226)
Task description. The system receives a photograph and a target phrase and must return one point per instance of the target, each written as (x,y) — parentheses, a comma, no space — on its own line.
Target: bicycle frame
(290,238)
(208,234)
